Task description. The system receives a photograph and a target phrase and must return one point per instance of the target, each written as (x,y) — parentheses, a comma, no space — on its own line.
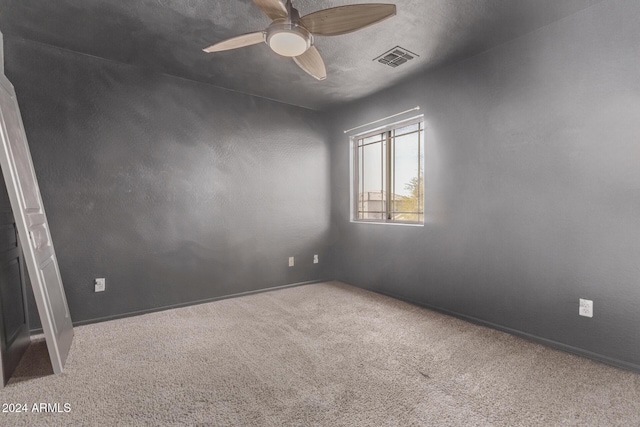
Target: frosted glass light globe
(288,39)
(288,44)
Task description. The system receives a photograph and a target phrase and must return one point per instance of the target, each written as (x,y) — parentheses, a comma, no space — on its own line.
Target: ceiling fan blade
(236,42)
(345,19)
(311,62)
(274,9)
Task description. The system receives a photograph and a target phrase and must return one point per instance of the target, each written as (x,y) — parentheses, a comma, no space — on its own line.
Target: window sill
(406,224)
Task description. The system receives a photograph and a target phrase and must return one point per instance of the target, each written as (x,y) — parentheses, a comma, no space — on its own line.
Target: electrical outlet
(315,259)
(99,285)
(586,308)
(291,261)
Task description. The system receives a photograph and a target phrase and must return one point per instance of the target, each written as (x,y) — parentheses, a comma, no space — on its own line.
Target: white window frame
(354,176)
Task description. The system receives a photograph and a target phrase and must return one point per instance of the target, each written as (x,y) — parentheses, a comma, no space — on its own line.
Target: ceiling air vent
(396,57)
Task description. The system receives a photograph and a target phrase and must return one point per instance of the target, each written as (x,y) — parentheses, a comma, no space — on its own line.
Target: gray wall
(532,187)
(175,191)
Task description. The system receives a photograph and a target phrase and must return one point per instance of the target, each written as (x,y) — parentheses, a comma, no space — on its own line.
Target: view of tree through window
(389,179)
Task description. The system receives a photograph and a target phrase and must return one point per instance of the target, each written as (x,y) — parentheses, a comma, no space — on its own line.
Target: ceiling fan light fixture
(288,44)
(291,35)
(287,39)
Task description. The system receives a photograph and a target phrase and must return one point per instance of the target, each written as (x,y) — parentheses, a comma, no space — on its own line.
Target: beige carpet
(324,354)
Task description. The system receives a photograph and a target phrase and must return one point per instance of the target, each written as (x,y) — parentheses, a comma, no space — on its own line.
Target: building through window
(389,174)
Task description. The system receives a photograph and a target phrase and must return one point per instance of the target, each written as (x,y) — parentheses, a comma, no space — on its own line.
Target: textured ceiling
(168,35)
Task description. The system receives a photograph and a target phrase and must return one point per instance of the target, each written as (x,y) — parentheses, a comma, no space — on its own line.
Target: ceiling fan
(292,35)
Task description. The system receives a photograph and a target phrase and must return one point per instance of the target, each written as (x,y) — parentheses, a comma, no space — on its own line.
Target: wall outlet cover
(99,285)
(586,308)
(291,261)
(315,259)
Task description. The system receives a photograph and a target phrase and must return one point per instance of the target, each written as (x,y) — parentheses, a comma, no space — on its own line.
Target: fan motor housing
(288,39)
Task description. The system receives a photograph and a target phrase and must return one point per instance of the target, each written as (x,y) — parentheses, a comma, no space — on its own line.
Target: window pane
(407,178)
(371,199)
(370,139)
(406,129)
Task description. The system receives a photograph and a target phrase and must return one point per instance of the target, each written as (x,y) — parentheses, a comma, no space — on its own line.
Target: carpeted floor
(324,354)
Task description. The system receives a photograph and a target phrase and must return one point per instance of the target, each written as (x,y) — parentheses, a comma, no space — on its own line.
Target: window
(389,174)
